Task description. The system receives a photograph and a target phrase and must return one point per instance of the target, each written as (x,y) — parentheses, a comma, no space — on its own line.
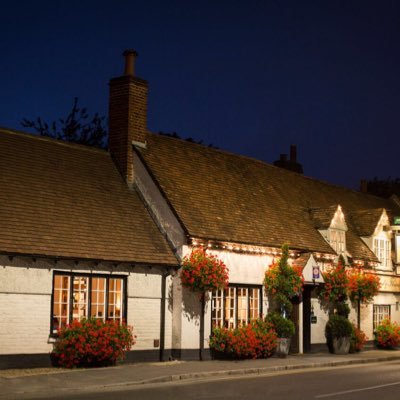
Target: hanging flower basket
(362,285)
(202,272)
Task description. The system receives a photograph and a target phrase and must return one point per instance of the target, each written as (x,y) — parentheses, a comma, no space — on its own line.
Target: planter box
(341,345)
(282,348)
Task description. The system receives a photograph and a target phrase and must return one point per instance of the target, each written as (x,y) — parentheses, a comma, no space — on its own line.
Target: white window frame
(382,248)
(227,301)
(77,298)
(380,313)
(337,240)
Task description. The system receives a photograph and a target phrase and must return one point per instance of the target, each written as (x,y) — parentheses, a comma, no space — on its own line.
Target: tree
(76,127)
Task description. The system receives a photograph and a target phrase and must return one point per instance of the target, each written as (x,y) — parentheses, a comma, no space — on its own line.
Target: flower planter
(341,345)
(282,348)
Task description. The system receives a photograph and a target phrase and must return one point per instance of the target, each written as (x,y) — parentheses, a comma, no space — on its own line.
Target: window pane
(254,304)
(242,306)
(229,312)
(217,308)
(60,302)
(80,297)
(98,298)
(115,299)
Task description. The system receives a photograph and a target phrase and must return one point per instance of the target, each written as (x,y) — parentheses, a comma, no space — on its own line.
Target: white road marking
(322,396)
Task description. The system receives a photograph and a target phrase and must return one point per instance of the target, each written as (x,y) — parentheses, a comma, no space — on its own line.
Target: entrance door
(295,342)
(307,318)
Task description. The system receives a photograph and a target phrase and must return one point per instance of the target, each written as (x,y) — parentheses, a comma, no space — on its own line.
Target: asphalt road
(367,382)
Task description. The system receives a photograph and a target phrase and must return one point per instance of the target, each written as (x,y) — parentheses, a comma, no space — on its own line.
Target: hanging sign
(396,220)
(315,272)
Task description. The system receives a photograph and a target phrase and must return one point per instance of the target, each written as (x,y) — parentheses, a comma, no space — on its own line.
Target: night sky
(251,77)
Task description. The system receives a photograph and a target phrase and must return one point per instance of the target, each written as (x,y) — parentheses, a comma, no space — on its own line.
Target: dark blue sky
(251,77)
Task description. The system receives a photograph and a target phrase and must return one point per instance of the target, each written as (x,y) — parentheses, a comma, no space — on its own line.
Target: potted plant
(338,332)
(284,329)
(282,283)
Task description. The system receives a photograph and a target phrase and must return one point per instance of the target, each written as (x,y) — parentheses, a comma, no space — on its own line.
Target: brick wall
(127,120)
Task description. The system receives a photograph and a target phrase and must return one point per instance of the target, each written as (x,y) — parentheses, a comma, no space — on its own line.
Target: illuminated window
(337,240)
(382,249)
(235,306)
(381,312)
(77,296)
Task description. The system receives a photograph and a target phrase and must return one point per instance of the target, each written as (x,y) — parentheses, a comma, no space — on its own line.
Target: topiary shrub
(337,327)
(92,343)
(284,327)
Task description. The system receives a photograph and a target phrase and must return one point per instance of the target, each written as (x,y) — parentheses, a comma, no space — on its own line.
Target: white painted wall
(25,304)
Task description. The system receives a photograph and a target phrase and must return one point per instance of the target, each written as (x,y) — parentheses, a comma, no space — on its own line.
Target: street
(369,382)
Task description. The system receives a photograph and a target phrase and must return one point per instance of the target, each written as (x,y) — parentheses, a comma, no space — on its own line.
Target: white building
(78,240)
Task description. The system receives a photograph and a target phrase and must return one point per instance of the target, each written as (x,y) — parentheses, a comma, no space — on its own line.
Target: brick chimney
(127,116)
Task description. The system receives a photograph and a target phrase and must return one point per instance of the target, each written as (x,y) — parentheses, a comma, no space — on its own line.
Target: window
(337,239)
(235,306)
(382,250)
(77,296)
(381,312)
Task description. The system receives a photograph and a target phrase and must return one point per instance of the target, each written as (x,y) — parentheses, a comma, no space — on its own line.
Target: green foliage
(284,327)
(283,282)
(338,327)
(76,127)
(343,309)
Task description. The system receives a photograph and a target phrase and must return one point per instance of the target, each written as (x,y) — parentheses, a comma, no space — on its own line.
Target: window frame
(337,240)
(71,275)
(375,321)
(237,286)
(385,251)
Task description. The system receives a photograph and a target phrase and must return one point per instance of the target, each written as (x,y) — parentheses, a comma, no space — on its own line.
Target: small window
(235,306)
(381,312)
(337,240)
(382,249)
(77,296)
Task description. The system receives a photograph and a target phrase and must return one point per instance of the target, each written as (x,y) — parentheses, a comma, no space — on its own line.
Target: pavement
(42,383)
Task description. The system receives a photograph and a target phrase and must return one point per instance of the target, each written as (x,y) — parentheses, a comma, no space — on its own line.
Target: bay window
(77,296)
(235,306)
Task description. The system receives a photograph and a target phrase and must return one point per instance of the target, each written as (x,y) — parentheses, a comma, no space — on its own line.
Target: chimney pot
(293,153)
(283,157)
(130,56)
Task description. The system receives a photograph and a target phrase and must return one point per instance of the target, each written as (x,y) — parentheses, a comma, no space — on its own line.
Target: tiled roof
(222,196)
(66,200)
(322,217)
(365,221)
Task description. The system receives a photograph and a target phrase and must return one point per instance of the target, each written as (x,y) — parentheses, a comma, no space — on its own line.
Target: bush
(255,340)
(283,327)
(92,343)
(358,339)
(387,335)
(337,327)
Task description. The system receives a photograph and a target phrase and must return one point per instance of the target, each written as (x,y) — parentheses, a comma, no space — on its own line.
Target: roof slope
(223,196)
(65,200)
(365,221)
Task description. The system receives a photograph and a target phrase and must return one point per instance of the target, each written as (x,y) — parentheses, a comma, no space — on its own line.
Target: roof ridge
(268,165)
(51,140)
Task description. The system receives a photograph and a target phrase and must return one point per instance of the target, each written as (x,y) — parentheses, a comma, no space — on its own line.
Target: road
(368,382)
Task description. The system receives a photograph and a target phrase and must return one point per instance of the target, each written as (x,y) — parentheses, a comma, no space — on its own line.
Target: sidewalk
(13,384)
